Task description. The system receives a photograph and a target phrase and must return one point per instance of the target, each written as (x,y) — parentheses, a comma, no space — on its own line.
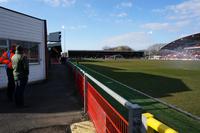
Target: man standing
(6,59)
(20,72)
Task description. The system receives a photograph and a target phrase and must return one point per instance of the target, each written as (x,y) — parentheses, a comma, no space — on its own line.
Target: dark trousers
(11,84)
(19,91)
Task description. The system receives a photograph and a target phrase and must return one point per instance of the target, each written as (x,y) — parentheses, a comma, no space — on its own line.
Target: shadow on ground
(51,129)
(57,94)
(154,85)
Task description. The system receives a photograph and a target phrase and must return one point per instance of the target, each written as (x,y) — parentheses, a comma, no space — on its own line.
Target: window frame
(8,45)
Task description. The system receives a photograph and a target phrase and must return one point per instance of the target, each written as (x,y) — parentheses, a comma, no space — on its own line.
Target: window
(3,46)
(31,50)
(34,52)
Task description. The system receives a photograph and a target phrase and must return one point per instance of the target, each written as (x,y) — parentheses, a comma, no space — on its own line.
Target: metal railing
(104,116)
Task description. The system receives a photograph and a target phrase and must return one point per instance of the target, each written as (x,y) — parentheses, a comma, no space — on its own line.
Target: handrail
(116,96)
(134,110)
(155,99)
(150,123)
(156,125)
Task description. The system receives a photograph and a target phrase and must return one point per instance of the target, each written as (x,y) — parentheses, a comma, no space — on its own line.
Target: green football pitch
(175,82)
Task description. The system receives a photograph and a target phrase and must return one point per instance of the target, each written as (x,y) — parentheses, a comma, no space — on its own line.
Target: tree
(155,49)
(118,48)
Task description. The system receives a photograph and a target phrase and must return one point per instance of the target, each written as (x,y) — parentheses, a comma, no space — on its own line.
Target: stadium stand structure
(186,48)
(104,54)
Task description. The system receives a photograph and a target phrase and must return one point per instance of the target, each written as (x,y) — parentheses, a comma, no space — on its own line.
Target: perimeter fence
(106,117)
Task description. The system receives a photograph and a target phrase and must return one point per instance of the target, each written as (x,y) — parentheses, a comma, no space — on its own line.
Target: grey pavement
(54,102)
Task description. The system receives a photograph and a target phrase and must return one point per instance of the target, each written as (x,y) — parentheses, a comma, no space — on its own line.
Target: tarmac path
(53,102)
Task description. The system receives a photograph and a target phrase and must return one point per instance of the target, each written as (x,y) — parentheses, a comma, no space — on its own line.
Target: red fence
(80,83)
(107,118)
(103,115)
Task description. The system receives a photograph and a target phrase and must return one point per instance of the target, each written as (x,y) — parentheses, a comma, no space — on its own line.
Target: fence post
(145,128)
(134,118)
(76,76)
(85,93)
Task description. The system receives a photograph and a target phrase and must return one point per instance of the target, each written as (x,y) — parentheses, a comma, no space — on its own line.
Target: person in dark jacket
(20,71)
(6,59)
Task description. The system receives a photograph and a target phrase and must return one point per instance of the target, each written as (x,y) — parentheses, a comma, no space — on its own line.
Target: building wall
(16,26)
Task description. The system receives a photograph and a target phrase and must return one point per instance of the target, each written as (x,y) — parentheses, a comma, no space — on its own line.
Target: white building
(22,29)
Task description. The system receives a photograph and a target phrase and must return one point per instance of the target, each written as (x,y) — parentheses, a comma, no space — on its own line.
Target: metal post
(144,127)
(63,27)
(134,119)
(76,76)
(85,93)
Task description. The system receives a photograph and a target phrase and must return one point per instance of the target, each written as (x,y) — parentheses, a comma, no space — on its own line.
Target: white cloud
(158,10)
(3,1)
(178,17)
(78,27)
(189,9)
(120,15)
(186,10)
(166,26)
(123,21)
(156,26)
(90,11)
(120,18)
(60,2)
(125,5)
(183,23)
(135,40)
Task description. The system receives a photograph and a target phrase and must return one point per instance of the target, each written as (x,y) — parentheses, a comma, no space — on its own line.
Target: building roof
(21,13)
(184,42)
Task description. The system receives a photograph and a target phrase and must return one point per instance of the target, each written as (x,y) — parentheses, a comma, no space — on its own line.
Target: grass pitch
(176,82)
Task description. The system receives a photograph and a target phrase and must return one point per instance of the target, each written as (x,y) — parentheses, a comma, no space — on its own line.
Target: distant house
(30,32)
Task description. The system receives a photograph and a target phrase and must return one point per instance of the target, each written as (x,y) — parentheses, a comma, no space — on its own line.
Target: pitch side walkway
(53,102)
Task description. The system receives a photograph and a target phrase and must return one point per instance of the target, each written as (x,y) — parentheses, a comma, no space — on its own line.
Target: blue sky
(94,24)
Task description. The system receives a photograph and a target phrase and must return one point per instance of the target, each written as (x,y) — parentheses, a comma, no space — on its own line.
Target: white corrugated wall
(16,26)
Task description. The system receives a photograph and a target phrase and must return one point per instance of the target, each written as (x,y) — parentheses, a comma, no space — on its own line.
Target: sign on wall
(54,37)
